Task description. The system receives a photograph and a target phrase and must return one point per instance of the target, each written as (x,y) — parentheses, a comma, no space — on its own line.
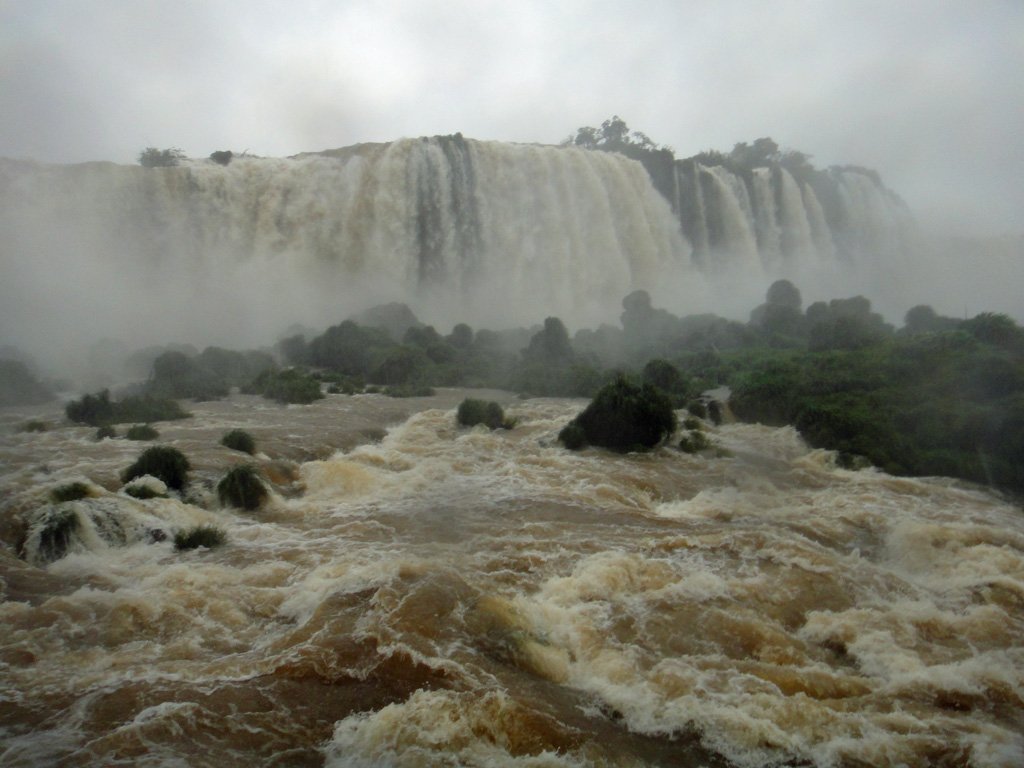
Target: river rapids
(419,594)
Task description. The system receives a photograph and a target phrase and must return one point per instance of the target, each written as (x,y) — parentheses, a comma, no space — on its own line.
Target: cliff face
(535,229)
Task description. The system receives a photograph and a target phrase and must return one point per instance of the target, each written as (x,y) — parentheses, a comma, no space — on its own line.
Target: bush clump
(472,412)
(58,531)
(151,157)
(99,410)
(163,462)
(69,492)
(239,440)
(141,432)
(177,375)
(241,487)
(626,417)
(694,441)
(144,492)
(33,426)
(105,431)
(19,387)
(208,536)
(288,386)
(573,437)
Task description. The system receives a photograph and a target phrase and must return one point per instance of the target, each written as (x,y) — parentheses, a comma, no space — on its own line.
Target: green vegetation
(624,417)
(937,403)
(288,386)
(33,426)
(141,432)
(106,431)
(241,487)
(57,531)
(143,492)
(938,396)
(99,410)
(70,492)
(694,441)
(573,437)
(19,387)
(239,440)
(176,375)
(472,412)
(163,462)
(208,536)
(151,157)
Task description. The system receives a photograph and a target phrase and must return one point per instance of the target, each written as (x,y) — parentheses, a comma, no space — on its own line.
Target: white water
(489,233)
(457,597)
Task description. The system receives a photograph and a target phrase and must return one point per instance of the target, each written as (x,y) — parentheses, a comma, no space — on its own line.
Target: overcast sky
(930,93)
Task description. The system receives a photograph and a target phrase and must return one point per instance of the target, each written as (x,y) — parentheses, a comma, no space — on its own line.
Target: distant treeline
(939,396)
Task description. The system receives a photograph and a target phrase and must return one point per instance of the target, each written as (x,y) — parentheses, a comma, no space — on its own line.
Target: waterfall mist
(489,233)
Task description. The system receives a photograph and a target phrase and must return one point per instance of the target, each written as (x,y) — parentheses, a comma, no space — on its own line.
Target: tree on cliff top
(151,157)
(613,136)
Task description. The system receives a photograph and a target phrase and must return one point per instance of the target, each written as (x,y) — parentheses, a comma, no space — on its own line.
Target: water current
(420,594)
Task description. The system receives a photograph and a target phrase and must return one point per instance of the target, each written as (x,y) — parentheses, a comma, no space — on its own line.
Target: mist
(493,234)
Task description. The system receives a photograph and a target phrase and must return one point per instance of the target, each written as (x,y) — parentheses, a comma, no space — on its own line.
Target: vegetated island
(938,396)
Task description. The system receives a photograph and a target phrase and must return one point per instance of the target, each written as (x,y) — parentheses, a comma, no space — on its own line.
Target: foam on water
(452,596)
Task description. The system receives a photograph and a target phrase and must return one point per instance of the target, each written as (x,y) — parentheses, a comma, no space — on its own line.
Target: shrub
(698,408)
(691,423)
(143,492)
(242,487)
(58,530)
(625,417)
(141,432)
(163,462)
(239,440)
(105,431)
(208,536)
(694,441)
(151,157)
(573,437)
(668,378)
(175,374)
(70,492)
(715,412)
(33,426)
(222,156)
(472,412)
(19,387)
(288,386)
(99,410)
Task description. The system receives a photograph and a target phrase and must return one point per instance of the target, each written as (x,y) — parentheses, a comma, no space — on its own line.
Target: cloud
(925,91)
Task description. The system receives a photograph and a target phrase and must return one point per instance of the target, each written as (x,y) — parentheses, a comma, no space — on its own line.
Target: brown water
(456,597)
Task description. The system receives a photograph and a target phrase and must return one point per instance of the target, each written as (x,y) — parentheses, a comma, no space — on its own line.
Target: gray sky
(930,93)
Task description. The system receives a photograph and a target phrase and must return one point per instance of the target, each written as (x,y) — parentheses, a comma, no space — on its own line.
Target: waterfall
(766,218)
(485,232)
(729,221)
(534,229)
(820,233)
(794,230)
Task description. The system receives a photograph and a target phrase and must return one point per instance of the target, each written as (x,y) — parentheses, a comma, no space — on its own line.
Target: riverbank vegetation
(937,396)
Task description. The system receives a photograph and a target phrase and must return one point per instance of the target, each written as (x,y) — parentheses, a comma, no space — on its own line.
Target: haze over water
(451,596)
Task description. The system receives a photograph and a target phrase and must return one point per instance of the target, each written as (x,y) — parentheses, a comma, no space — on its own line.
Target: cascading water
(489,232)
(794,228)
(455,597)
(766,218)
(481,225)
(732,243)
